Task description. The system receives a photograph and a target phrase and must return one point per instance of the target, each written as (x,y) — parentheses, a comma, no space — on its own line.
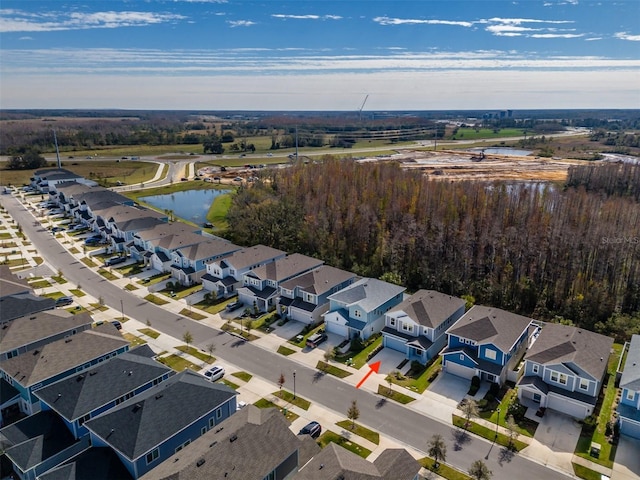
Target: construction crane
(362,106)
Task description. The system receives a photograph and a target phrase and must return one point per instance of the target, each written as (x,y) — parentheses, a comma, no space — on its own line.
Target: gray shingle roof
(147,420)
(631,374)
(62,355)
(320,280)
(11,284)
(429,308)
(15,306)
(90,389)
(566,344)
(244,458)
(40,326)
(208,247)
(491,325)
(93,464)
(250,256)
(369,293)
(285,268)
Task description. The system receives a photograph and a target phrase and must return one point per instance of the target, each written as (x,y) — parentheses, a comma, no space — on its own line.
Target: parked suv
(233,306)
(115,261)
(316,339)
(63,301)
(215,373)
(313,428)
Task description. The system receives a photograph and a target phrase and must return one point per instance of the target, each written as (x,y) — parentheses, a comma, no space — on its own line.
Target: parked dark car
(115,261)
(63,301)
(233,306)
(313,428)
(316,339)
(116,324)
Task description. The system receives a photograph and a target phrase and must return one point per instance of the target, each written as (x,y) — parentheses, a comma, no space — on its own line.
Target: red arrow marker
(374,367)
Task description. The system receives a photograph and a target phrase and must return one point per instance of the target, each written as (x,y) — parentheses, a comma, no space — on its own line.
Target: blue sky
(320,55)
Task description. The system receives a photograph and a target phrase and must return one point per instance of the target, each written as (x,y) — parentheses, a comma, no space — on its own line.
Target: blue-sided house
(486,342)
(151,427)
(357,311)
(564,370)
(629,406)
(417,326)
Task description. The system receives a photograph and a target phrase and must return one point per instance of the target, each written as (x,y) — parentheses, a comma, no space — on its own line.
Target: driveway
(390,360)
(627,464)
(442,397)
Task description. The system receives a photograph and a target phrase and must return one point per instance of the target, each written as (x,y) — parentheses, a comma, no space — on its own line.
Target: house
(43,180)
(357,311)
(629,406)
(160,241)
(417,326)
(151,427)
(92,464)
(57,360)
(306,297)
(11,284)
(224,276)
(564,369)
(33,331)
(189,263)
(38,443)
(21,304)
(336,462)
(260,285)
(236,450)
(486,342)
(85,395)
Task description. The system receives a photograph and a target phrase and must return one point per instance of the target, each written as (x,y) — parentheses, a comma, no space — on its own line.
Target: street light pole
(122,308)
(294,384)
(497,421)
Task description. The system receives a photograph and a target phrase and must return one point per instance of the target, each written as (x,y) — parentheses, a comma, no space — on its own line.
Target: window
(153,455)
(357,313)
(535,368)
(560,378)
(203,430)
(392,322)
(563,379)
(490,354)
(180,447)
(554,377)
(631,395)
(212,422)
(461,356)
(218,413)
(86,418)
(407,327)
(584,384)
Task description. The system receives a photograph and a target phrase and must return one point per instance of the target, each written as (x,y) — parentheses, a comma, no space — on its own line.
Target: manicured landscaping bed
(194,352)
(191,314)
(178,363)
(393,395)
(244,376)
(133,340)
(332,369)
(443,470)
(155,300)
(282,350)
(149,333)
(329,436)
(288,397)
(488,433)
(107,274)
(419,379)
(364,432)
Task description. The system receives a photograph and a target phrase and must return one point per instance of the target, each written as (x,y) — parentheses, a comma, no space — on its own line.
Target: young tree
(469,408)
(353,413)
(329,354)
(187,338)
(281,380)
(480,471)
(390,382)
(437,449)
(512,427)
(210,349)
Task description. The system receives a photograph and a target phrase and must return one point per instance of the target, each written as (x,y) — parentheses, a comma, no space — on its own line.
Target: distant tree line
(568,254)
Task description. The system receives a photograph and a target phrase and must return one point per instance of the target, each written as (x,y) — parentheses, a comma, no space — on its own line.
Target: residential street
(399,422)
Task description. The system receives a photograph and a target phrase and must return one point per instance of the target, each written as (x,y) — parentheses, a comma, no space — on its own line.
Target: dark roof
(143,351)
(11,284)
(208,247)
(491,325)
(215,455)
(36,438)
(147,420)
(77,395)
(40,326)
(319,280)
(14,306)
(7,391)
(631,370)
(250,256)
(96,463)
(369,293)
(564,344)
(63,355)
(335,462)
(285,268)
(429,308)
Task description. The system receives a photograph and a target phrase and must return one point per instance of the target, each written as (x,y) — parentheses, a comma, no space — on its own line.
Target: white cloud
(592,39)
(556,35)
(240,23)
(418,21)
(26,38)
(626,36)
(306,17)
(19,21)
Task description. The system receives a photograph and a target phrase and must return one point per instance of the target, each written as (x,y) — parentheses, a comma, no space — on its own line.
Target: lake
(191,205)
(503,151)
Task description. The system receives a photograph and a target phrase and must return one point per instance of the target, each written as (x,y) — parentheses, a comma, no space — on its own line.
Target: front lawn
(149,332)
(393,395)
(288,397)
(282,350)
(419,377)
(187,312)
(586,473)
(488,433)
(178,363)
(244,376)
(155,300)
(133,340)
(444,470)
(364,432)
(329,436)
(264,403)
(332,369)
(107,274)
(194,352)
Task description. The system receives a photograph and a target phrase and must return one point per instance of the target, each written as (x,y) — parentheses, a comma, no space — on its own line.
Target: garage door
(338,329)
(629,428)
(566,406)
(395,344)
(459,370)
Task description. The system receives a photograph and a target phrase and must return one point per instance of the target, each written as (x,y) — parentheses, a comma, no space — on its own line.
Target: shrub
(590,423)
(475,381)
(517,410)
(494,389)
(357,345)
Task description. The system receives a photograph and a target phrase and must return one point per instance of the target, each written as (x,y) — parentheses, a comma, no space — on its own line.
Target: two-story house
(56,360)
(189,263)
(564,369)
(224,276)
(149,428)
(260,285)
(417,326)
(85,395)
(160,241)
(306,297)
(629,406)
(486,342)
(357,311)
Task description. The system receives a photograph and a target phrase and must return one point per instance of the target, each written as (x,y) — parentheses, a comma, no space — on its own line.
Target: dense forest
(567,254)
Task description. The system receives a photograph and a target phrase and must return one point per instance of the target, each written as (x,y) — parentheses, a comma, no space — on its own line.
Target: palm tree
(479,471)
(437,449)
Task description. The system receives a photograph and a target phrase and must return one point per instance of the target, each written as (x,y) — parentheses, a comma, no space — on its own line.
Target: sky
(319,55)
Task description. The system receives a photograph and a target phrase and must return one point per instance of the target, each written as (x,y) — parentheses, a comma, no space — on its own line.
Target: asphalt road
(403,424)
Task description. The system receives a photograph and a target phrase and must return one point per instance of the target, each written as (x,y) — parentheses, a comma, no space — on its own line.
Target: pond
(191,205)
(503,151)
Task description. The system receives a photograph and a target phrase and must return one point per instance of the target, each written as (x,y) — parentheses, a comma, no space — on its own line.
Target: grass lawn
(526,427)
(586,473)
(244,376)
(54,295)
(420,380)
(303,343)
(227,327)
(360,358)
(149,333)
(217,214)
(230,384)
(97,306)
(59,279)
(194,352)
(130,287)
(488,433)
(40,284)
(88,262)
(77,292)
(329,436)
(364,432)
(212,309)
(107,274)
(604,409)
(397,396)
(332,369)
(282,350)
(288,397)
(178,363)
(191,314)
(155,300)
(133,340)
(178,294)
(264,403)
(443,470)
(471,134)
(155,279)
